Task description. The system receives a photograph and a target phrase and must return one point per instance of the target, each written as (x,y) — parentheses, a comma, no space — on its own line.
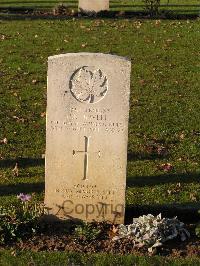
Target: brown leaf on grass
(157,22)
(36,125)
(43,114)
(19,119)
(137,24)
(193,196)
(4,141)
(142,82)
(162,151)
(13,253)
(15,170)
(169,192)
(166,167)
(157,149)
(83,45)
(113,231)
(182,136)
(3,37)
(34,81)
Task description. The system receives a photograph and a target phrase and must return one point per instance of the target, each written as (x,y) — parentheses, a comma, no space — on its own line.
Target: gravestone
(93,6)
(86,139)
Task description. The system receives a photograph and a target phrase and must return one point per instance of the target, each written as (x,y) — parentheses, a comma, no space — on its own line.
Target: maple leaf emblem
(88,85)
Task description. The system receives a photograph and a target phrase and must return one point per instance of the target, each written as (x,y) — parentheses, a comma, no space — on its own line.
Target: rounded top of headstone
(86,54)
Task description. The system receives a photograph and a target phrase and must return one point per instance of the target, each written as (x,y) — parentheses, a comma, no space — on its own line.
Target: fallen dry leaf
(15,170)
(112,232)
(34,81)
(182,136)
(4,141)
(166,167)
(157,22)
(43,114)
(193,196)
(142,82)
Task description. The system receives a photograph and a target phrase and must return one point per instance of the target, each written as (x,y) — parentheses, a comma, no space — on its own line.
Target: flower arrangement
(152,231)
(19,220)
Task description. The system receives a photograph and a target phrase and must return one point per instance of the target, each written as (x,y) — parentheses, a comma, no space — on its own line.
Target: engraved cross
(86,156)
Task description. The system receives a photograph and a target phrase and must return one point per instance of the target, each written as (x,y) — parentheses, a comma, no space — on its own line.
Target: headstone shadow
(15,189)
(187,212)
(22,162)
(141,156)
(141,181)
(23,13)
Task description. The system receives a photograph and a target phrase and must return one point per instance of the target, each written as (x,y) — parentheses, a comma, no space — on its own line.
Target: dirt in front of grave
(58,238)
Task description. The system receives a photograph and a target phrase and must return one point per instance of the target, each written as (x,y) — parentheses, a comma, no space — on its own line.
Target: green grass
(57,258)
(180,6)
(164,101)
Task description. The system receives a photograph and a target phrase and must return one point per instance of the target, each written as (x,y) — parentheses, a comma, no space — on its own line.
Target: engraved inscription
(88,126)
(88,120)
(89,192)
(88,85)
(86,155)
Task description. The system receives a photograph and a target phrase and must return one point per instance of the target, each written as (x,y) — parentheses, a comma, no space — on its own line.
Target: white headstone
(87,133)
(93,6)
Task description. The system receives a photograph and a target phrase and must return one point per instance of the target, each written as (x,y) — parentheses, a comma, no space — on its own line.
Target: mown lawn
(179,6)
(8,258)
(164,109)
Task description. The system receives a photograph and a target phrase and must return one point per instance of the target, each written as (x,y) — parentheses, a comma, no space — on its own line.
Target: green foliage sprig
(86,232)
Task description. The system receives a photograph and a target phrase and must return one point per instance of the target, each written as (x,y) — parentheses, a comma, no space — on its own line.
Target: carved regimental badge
(88,85)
